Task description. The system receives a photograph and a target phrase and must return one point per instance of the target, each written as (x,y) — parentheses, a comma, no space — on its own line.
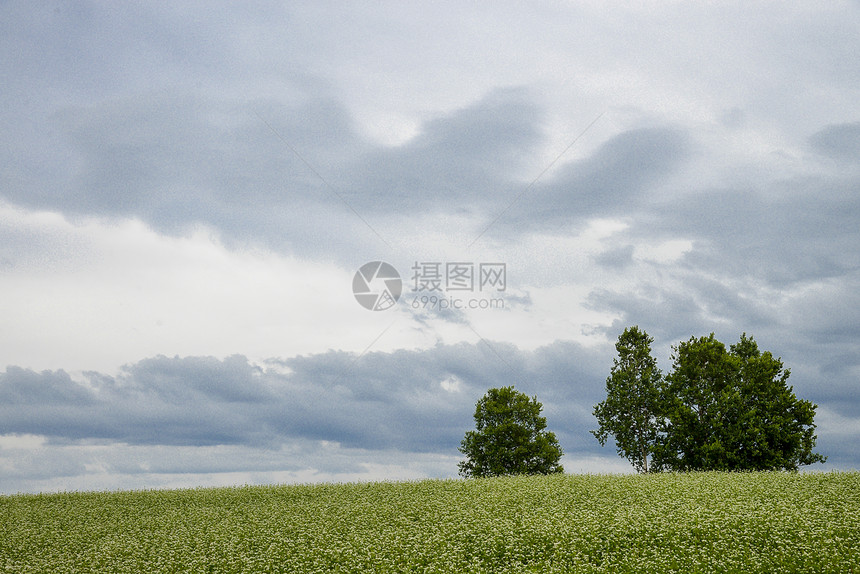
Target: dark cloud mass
(464,161)
(839,141)
(264,172)
(378,401)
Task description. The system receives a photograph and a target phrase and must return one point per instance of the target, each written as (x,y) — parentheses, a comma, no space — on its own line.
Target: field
(700,522)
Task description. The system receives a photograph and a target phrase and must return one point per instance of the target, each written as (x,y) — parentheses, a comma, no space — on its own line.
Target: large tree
(629,412)
(732,410)
(510,437)
(693,407)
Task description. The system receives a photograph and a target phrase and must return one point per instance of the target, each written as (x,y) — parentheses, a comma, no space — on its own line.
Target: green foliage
(733,410)
(695,395)
(775,428)
(510,437)
(718,409)
(629,412)
(754,523)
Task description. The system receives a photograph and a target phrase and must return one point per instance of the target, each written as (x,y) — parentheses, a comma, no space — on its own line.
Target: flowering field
(700,522)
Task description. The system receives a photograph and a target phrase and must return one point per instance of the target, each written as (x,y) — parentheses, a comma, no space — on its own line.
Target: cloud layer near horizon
(405,406)
(410,400)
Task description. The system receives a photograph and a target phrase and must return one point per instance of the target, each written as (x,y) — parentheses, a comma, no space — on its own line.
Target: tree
(510,437)
(732,410)
(692,409)
(773,428)
(630,410)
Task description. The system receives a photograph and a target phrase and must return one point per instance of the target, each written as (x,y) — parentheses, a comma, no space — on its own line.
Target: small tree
(510,437)
(630,410)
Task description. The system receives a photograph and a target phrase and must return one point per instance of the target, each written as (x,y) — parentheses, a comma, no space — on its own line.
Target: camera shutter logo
(377,286)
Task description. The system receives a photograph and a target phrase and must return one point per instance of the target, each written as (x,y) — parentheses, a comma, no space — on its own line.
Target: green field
(700,522)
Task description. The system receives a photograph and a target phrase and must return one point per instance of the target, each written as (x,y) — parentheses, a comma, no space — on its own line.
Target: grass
(698,522)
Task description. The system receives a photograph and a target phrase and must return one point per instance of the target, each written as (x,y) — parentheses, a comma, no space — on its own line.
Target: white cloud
(664,252)
(451,384)
(96,295)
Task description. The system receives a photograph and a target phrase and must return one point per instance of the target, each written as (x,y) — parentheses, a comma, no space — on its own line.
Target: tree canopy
(719,409)
(630,410)
(510,437)
(733,410)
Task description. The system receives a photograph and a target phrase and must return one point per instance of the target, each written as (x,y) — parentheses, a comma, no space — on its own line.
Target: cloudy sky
(188,190)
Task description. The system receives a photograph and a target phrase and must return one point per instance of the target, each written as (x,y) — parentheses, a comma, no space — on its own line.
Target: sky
(189,190)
